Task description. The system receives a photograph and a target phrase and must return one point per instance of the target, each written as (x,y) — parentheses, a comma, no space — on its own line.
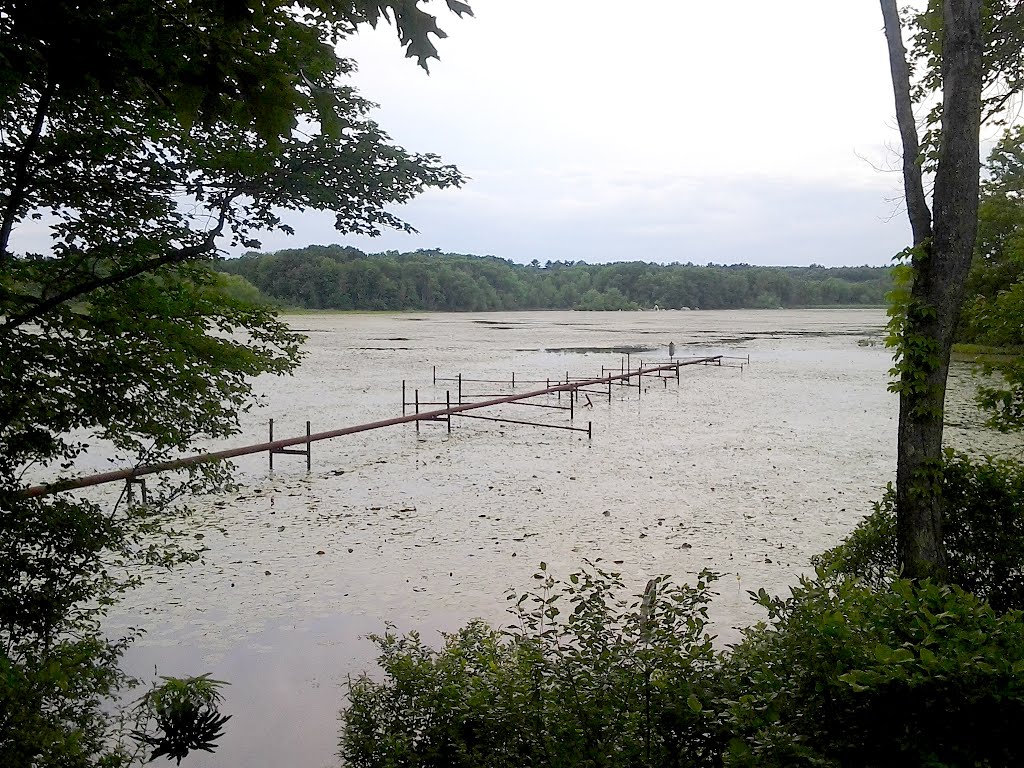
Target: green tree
(943,243)
(994,311)
(144,135)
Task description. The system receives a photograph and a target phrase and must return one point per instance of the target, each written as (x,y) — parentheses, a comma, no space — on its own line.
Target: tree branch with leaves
(142,137)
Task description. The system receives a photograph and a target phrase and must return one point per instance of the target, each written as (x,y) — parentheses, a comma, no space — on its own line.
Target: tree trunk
(913,184)
(19,188)
(941,259)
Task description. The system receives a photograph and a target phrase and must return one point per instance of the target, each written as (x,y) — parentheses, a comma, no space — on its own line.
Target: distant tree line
(337,277)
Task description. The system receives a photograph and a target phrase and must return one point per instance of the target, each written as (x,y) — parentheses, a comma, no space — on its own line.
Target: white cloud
(684,124)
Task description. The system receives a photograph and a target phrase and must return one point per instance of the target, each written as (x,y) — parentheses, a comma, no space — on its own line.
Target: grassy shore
(979,353)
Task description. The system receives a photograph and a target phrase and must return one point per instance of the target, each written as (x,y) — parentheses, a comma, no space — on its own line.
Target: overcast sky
(658,130)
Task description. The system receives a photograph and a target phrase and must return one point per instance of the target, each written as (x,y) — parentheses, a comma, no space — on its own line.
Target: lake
(745,471)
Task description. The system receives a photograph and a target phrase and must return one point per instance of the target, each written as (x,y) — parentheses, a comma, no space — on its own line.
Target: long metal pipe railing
(230,453)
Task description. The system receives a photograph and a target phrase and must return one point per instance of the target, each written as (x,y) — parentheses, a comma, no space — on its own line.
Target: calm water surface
(746,472)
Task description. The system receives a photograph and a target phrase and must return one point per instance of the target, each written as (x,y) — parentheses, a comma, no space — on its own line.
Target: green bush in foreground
(983,530)
(604,682)
(841,674)
(849,675)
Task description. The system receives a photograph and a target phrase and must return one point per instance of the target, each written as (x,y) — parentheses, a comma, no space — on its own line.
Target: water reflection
(286,687)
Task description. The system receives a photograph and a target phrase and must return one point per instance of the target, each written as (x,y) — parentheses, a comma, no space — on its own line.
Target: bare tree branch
(175,256)
(19,188)
(917,206)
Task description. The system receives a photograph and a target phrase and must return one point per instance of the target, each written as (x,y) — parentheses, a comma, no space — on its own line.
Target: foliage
(916,355)
(583,678)
(906,674)
(1002,64)
(842,673)
(47,710)
(868,552)
(135,137)
(240,289)
(610,301)
(994,311)
(983,531)
(335,277)
(1005,402)
(186,714)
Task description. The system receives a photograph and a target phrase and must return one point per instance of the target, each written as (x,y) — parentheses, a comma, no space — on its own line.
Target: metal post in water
(448,403)
(129,483)
(417,393)
(403,397)
(590,430)
(435,374)
(513,379)
(460,389)
(271,452)
(309,449)
(572,412)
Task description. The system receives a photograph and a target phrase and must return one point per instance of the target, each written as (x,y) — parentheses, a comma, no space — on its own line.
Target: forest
(344,278)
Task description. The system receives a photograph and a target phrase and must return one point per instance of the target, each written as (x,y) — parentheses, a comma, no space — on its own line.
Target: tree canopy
(135,139)
(994,311)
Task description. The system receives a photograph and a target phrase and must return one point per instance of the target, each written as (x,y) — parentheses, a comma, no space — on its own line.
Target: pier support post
(133,481)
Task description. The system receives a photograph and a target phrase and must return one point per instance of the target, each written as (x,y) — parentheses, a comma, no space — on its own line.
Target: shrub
(608,682)
(849,675)
(983,530)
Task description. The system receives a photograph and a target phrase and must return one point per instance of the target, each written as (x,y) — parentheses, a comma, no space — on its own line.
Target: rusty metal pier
(572,387)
